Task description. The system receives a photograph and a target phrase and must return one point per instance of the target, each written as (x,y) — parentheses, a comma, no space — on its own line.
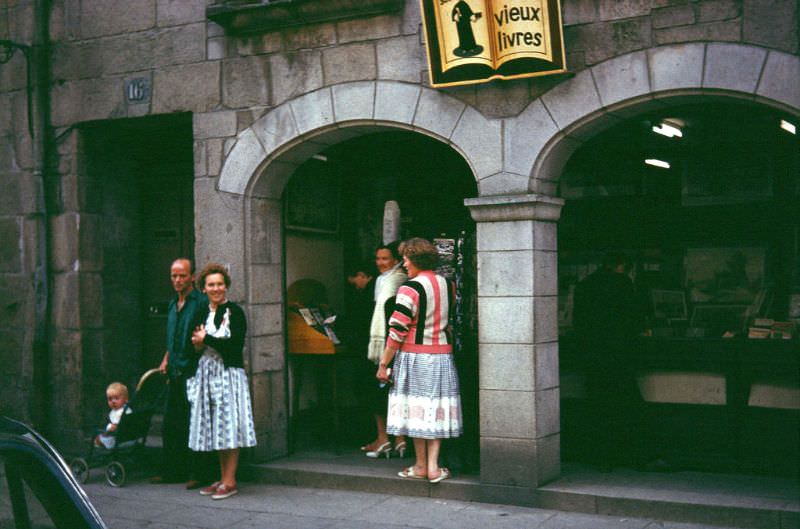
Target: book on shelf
(320,320)
(758,333)
(782,330)
(307,316)
(331,335)
(768,328)
(472,41)
(316,314)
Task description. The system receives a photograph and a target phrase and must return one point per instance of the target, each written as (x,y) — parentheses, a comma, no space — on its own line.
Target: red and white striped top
(419,323)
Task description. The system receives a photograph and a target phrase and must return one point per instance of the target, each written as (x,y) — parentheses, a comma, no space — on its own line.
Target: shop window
(710,220)
(713,233)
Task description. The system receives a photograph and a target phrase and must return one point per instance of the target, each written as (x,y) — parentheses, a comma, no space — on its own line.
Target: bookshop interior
(711,227)
(704,202)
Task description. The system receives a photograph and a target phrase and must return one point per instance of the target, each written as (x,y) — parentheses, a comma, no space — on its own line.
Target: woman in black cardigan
(221,410)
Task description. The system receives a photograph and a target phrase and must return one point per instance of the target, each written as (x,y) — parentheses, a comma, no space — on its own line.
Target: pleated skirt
(221,415)
(424,401)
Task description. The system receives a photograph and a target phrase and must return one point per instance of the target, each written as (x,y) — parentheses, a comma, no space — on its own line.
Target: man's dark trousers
(181,463)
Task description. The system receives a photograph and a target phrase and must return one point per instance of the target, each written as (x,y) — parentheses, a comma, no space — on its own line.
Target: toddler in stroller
(117,396)
(124,438)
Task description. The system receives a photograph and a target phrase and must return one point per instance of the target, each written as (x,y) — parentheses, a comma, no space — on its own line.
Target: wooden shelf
(304,339)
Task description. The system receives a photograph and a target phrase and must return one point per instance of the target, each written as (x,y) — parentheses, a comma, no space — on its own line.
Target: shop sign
(476,41)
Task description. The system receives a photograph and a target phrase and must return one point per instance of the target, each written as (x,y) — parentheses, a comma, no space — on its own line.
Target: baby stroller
(131,433)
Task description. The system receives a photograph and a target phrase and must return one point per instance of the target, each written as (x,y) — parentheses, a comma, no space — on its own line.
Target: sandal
(443,475)
(408,473)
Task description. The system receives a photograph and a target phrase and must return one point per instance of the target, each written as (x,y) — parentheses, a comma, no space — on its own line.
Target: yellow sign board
(475,41)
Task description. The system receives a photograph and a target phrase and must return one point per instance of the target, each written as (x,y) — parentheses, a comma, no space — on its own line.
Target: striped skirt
(424,401)
(221,412)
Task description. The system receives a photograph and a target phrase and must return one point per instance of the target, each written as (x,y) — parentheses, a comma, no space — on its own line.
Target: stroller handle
(147,374)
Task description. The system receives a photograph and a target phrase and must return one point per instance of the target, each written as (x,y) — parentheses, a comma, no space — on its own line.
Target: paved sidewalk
(142,505)
(755,502)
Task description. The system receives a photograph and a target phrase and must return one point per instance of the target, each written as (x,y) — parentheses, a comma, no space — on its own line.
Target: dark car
(37,490)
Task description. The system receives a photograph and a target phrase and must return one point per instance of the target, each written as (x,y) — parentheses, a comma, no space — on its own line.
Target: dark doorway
(708,220)
(139,175)
(430,181)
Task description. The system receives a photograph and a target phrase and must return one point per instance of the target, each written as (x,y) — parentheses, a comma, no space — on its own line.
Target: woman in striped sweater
(424,402)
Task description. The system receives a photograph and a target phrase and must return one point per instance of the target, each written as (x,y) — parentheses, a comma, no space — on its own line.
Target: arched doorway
(253,177)
(702,198)
(333,218)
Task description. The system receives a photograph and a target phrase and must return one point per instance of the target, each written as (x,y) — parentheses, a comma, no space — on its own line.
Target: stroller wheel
(115,474)
(80,469)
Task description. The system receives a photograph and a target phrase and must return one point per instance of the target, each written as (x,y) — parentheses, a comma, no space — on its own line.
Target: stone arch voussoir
(265,154)
(539,141)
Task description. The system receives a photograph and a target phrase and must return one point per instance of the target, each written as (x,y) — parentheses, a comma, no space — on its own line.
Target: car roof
(18,438)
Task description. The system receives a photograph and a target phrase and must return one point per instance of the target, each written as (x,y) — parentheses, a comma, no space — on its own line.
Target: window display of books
(697,292)
(764,328)
(719,320)
(319,319)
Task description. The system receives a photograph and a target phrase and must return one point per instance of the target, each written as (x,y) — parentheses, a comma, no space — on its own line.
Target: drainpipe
(40,57)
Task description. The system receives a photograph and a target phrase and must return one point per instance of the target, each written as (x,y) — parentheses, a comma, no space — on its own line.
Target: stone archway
(517,162)
(521,442)
(250,186)
(298,128)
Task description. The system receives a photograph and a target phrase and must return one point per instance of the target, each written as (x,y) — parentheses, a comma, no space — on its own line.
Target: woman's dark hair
(393,247)
(213,268)
(367,268)
(421,252)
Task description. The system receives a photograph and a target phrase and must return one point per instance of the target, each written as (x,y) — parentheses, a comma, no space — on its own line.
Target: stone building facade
(258,105)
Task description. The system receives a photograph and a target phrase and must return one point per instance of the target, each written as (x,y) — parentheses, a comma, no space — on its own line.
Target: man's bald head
(181,274)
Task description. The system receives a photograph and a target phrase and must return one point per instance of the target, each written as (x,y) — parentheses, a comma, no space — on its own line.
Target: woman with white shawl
(392,275)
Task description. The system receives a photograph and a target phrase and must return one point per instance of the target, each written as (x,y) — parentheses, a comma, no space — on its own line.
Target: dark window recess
(243,16)
(158,309)
(165,234)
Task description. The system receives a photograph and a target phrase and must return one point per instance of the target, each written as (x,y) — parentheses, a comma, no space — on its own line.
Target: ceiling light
(788,127)
(657,163)
(668,130)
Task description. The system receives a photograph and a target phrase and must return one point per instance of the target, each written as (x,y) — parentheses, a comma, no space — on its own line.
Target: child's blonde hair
(118,388)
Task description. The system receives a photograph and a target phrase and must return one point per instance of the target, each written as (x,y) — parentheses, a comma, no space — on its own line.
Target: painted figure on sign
(463,16)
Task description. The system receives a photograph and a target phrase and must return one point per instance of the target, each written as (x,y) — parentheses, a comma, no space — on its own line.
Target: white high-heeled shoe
(400,449)
(384,449)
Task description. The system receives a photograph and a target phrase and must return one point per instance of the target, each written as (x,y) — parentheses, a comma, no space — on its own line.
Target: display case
(306,339)
(717,404)
(698,292)
(309,322)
